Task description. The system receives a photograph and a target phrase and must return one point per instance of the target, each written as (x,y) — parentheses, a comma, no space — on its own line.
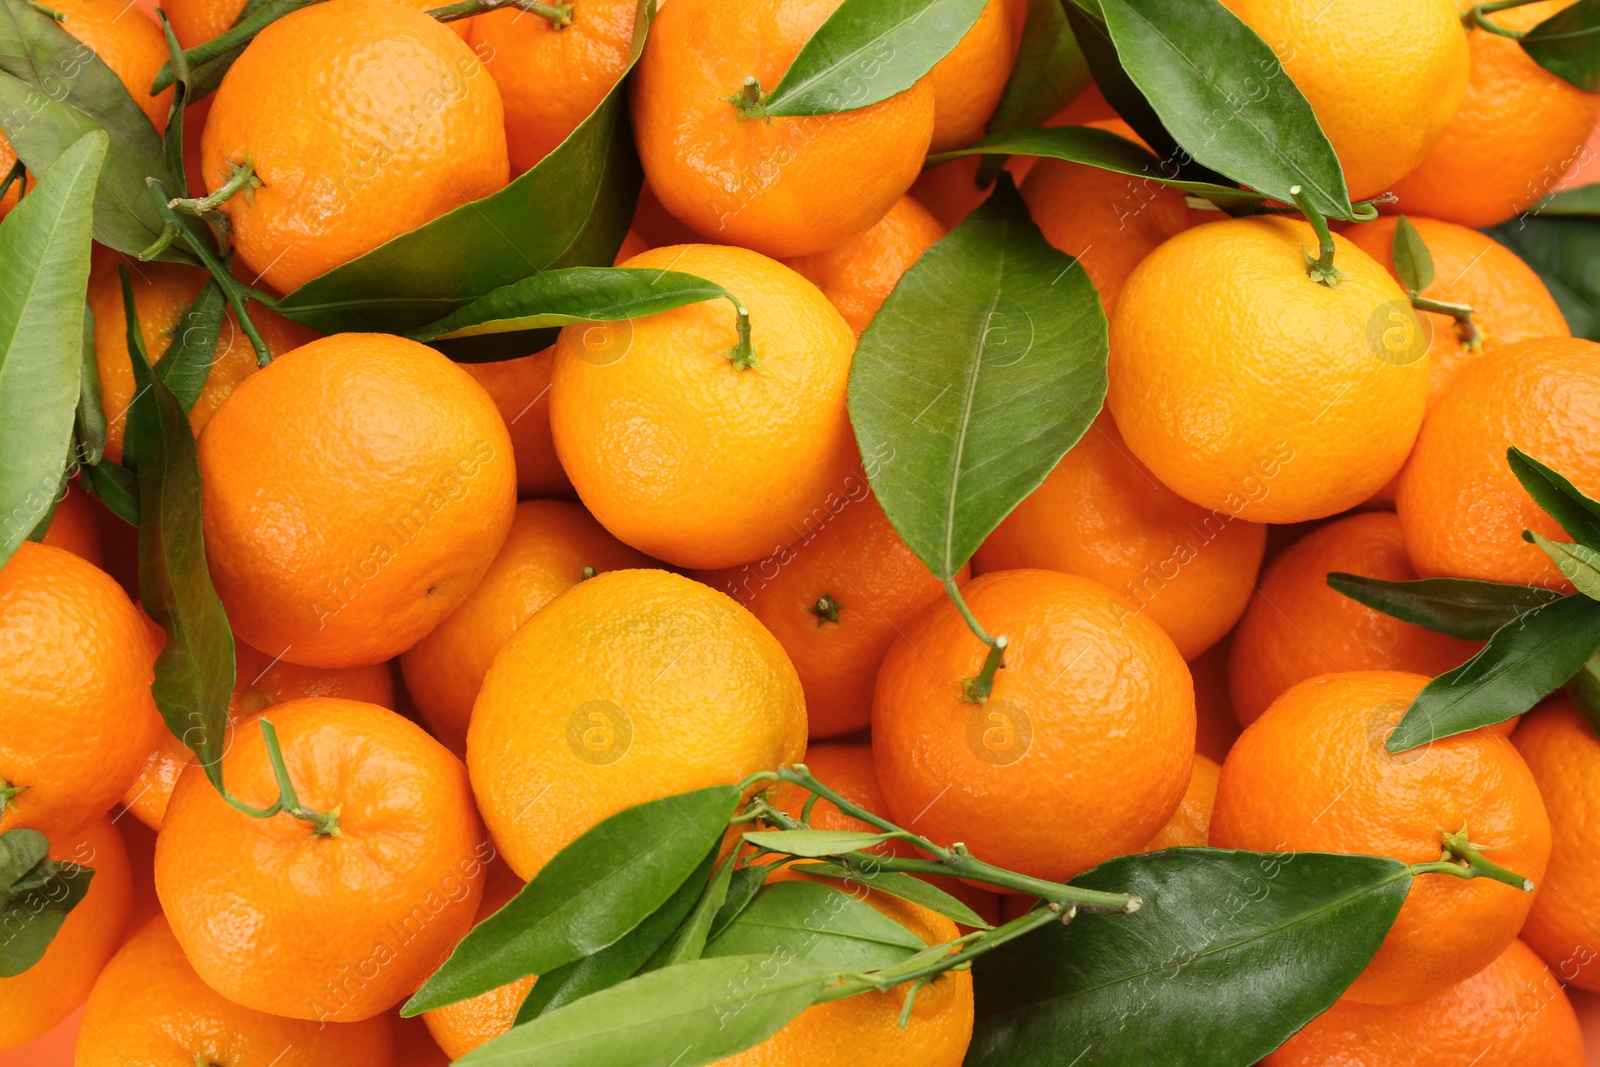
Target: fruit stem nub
(826,609)
(242,178)
(1320,267)
(1466,329)
(743,354)
(748,99)
(1463,859)
(9,793)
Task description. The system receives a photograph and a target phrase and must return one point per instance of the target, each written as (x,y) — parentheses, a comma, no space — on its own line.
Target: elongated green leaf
(118,489)
(89,423)
(986,363)
(1460,607)
(573,209)
(1412,260)
(1050,70)
(620,960)
(172,136)
(209,61)
(1584,689)
(1580,200)
(36,895)
(1196,61)
(1231,953)
(44,246)
(588,896)
(194,673)
(742,889)
(1578,564)
(816,924)
(53,90)
(689,941)
(1524,662)
(1577,513)
(1565,252)
(188,358)
(904,886)
(689,1015)
(1567,44)
(869,50)
(575,294)
(816,843)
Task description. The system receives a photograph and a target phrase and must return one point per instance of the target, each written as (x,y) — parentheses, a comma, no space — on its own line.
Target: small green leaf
(904,886)
(209,61)
(816,843)
(1050,71)
(1567,44)
(591,893)
(1196,61)
(1577,513)
(1231,954)
(118,489)
(816,924)
(1578,565)
(1412,260)
(44,246)
(1525,661)
(742,889)
(194,674)
(36,895)
(1565,253)
(986,363)
(686,1016)
(188,358)
(90,420)
(1460,607)
(869,50)
(689,942)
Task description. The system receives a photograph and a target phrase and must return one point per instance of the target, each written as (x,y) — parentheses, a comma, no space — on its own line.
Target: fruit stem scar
(1319,268)
(323,824)
(1462,859)
(747,101)
(243,178)
(826,609)
(1466,329)
(559,15)
(9,794)
(52,12)
(588,572)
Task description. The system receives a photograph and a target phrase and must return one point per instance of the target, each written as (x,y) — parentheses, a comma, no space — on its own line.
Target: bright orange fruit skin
(74,527)
(129,41)
(463,1026)
(858,275)
(968,82)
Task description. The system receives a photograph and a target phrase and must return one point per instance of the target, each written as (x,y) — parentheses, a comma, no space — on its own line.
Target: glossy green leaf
(187,361)
(591,893)
(1049,72)
(118,489)
(1412,260)
(573,209)
(1578,564)
(1565,252)
(686,1016)
(44,249)
(89,422)
(1577,513)
(556,298)
(194,674)
(689,941)
(986,363)
(742,889)
(620,960)
(904,886)
(1460,607)
(869,50)
(1524,662)
(53,90)
(816,843)
(1580,200)
(1567,44)
(1196,61)
(1231,954)
(1584,690)
(816,924)
(36,895)
(209,61)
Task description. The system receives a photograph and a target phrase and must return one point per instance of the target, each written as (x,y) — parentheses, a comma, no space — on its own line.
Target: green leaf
(1231,954)
(591,893)
(209,61)
(573,209)
(556,298)
(686,1016)
(742,889)
(188,358)
(1567,44)
(986,363)
(869,50)
(90,420)
(1050,70)
(53,90)
(689,941)
(194,674)
(1525,661)
(1578,564)
(36,895)
(904,886)
(1460,607)
(816,843)
(1581,200)
(1577,513)
(1584,690)
(172,136)
(1565,253)
(118,489)
(1412,260)
(1195,61)
(44,246)
(816,924)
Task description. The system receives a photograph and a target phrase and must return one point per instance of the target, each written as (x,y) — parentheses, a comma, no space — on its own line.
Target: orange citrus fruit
(197,21)
(1190,825)
(628,687)
(1081,752)
(552,546)
(968,81)
(332,927)
(520,389)
(1248,387)
(74,526)
(128,40)
(1101,514)
(463,1026)
(386,491)
(1312,774)
(858,274)
(1462,510)
(782,186)
(681,452)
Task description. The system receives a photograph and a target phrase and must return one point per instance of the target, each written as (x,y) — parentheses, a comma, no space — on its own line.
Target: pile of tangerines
(479,608)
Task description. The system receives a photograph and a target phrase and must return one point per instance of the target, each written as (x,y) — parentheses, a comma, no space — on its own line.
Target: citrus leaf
(1567,44)
(1230,955)
(1050,70)
(869,50)
(1577,513)
(1565,253)
(118,489)
(572,209)
(985,364)
(742,889)
(194,673)
(90,420)
(1412,260)
(1584,690)
(904,886)
(688,942)
(44,246)
(1460,607)
(816,843)
(172,136)
(1578,564)
(591,893)
(816,924)
(686,1016)
(1525,661)
(1580,200)
(36,895)
(188,358)
(1195,61)
(209,61)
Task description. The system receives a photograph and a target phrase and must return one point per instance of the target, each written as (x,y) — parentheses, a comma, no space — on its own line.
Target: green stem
(826,609)
(1466,329)
(9,793)
(748,99)
(232,288)
(743,354)
(1475,17)
(1462,859)
(243,177)
(323,824)
(1320,267)
(52,12)
(977,690)
(559,15)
